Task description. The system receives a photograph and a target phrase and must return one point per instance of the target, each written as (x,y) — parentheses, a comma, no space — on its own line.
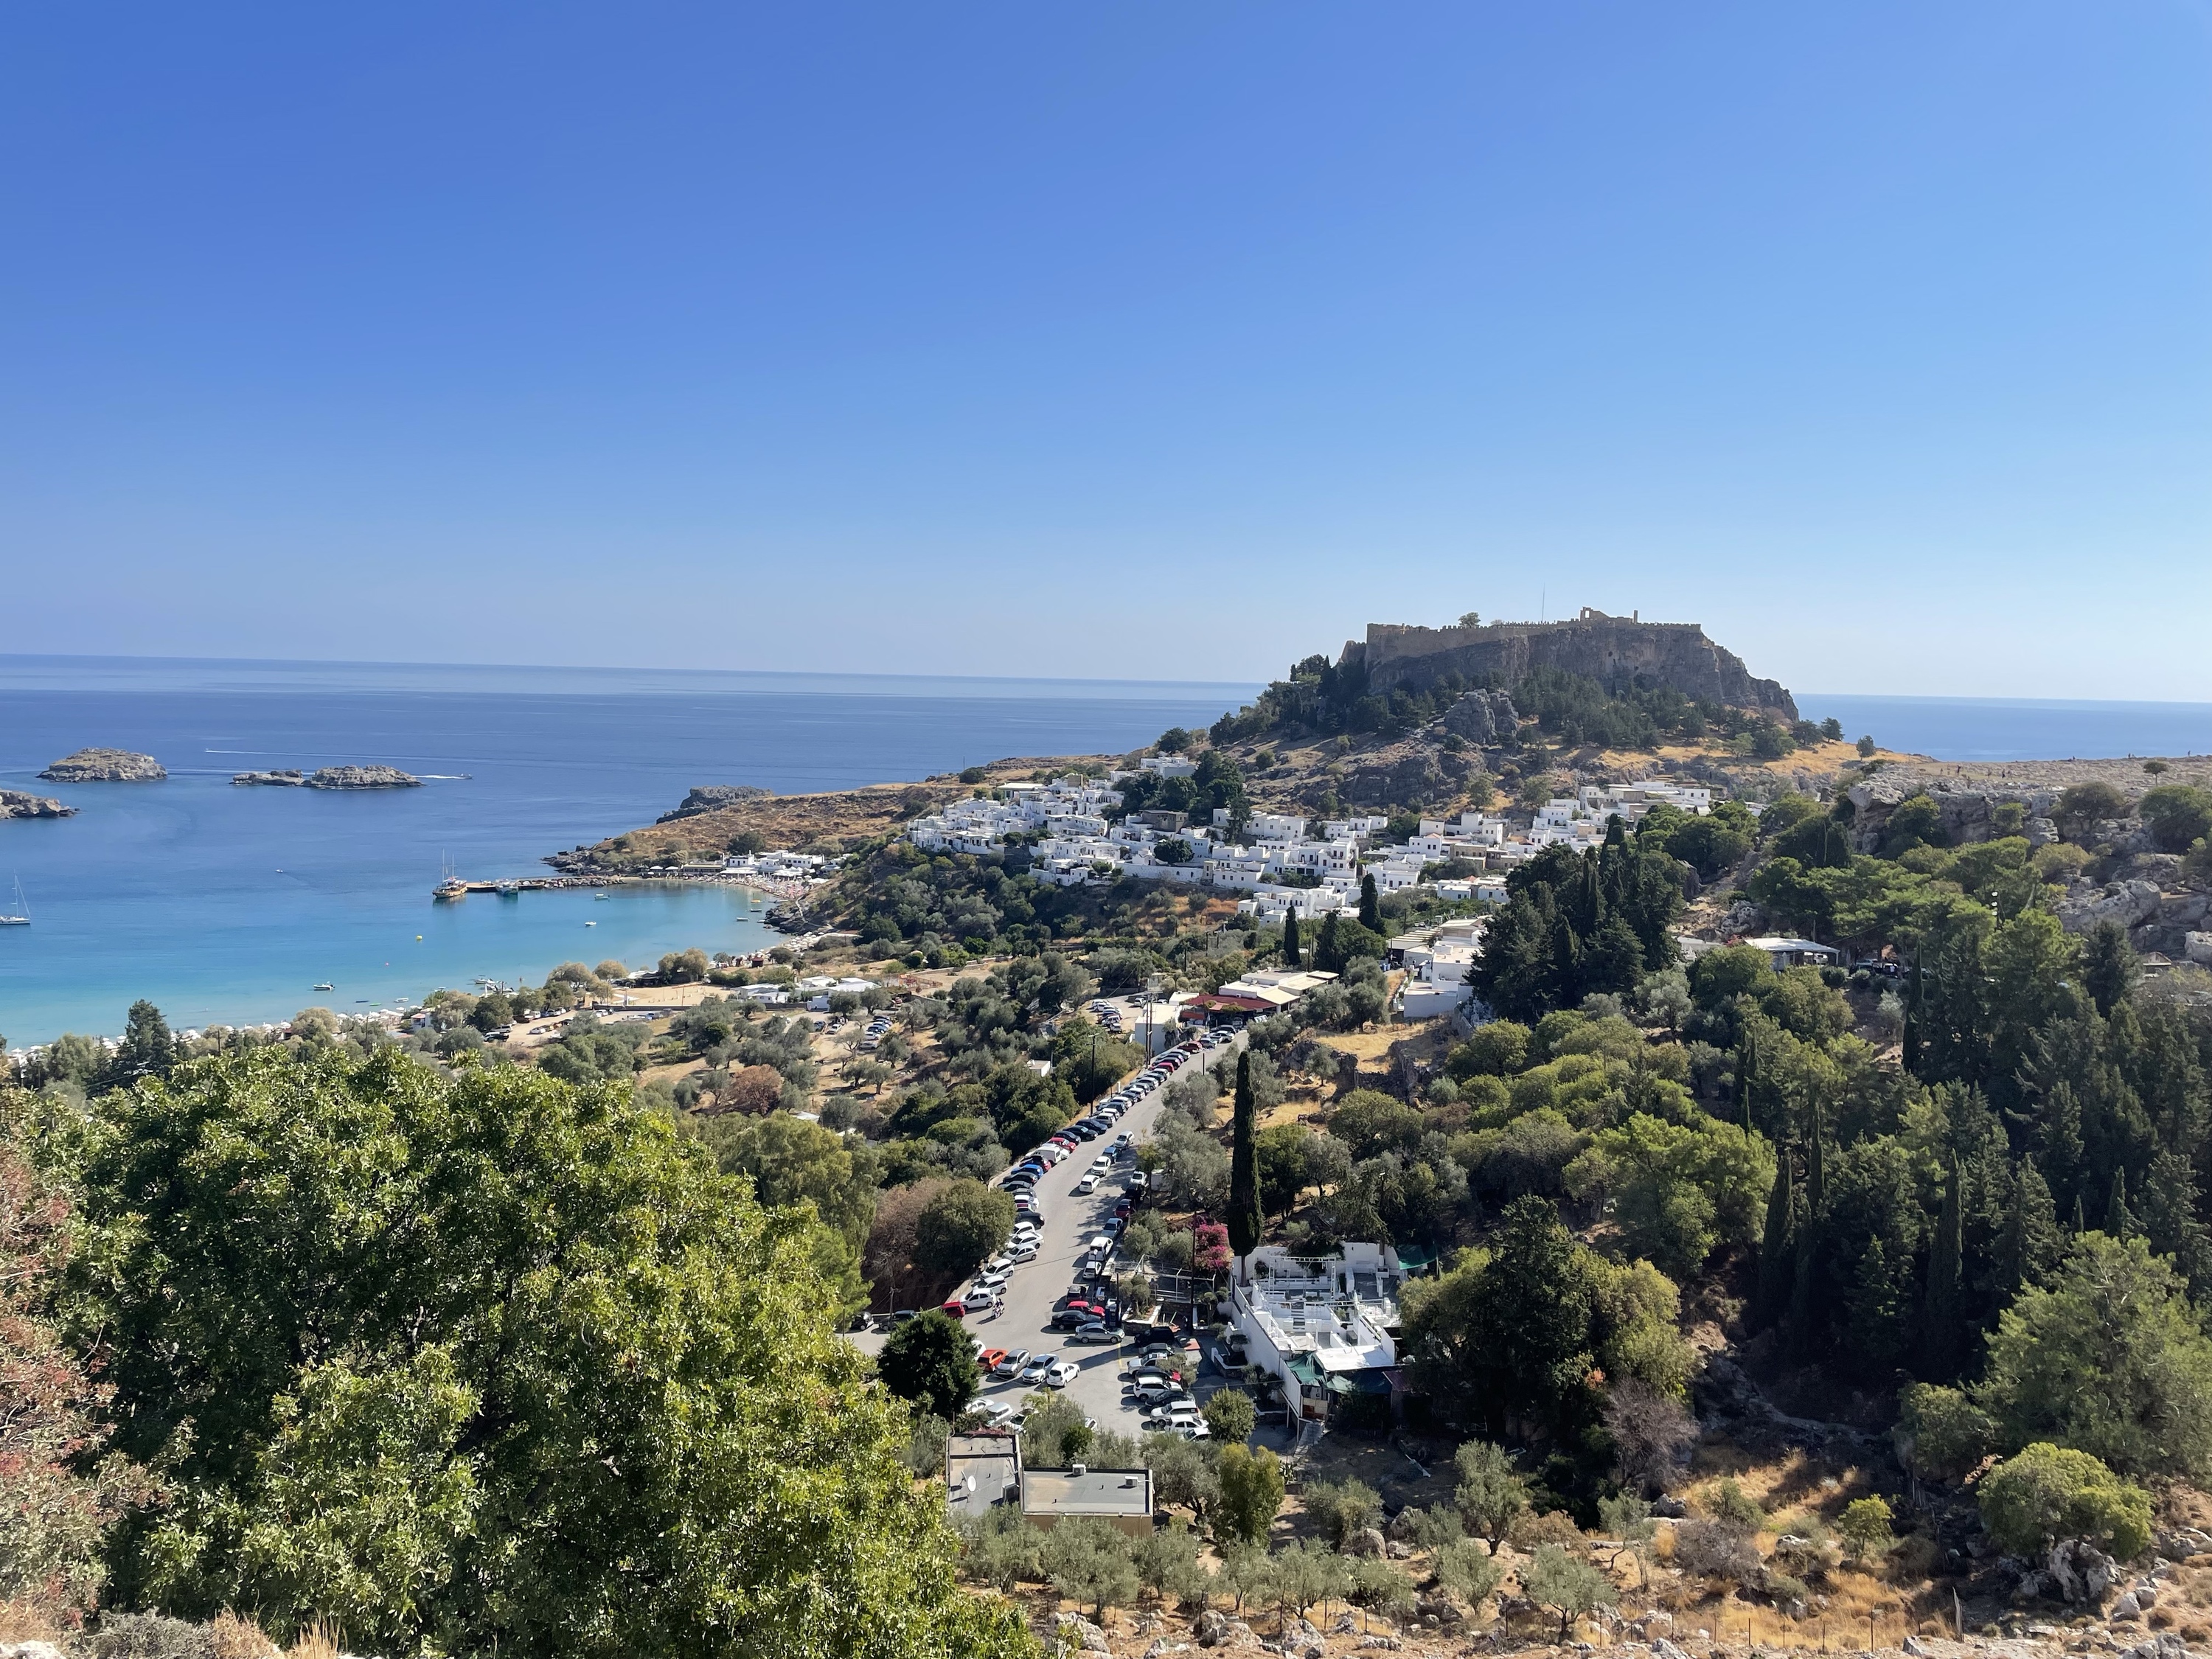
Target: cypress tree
(2080,1217)
(1746,1068)
(1915,992)
(2060,1138)
(1290,938)
(1327,957)
(2032,1240)
(1245,1219)
(1370,905)
(1943,1314)
(1810,1227)
(1776,1246)
(2118,1224)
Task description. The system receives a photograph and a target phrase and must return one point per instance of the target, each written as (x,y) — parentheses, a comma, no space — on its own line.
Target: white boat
(21,917)
(324,986)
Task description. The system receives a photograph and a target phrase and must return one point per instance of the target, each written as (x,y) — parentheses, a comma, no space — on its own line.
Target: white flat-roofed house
(1168,766)
(1352,829)
(1794,952)
(1322,1325)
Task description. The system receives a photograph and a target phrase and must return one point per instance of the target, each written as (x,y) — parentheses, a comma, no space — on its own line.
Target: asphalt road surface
(1034,1287)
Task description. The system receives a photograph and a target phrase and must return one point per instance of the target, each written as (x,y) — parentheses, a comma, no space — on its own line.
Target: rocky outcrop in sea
(22,803)
(364,777)
(105,766)
(278,780)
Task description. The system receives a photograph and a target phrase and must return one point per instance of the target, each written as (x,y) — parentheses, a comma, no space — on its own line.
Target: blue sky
(1142,339)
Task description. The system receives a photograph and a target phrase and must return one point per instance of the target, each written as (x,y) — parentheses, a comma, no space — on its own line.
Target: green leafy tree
(2083,806)
(1490,1496)
(930,1361)
(1251,1480)
(1571,1587)
(1168,1564)
(1866,1527)
(1468,1572)
(1246,1225)
(1229,1415)
(962,1227)
(1342,1507)
(488,1362)
(2049,1493)
(1942,1434)
(1091,1563)
(147,1049)
(2177,814)
(2108,1357)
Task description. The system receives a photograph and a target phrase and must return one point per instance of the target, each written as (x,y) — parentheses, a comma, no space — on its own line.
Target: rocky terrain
(833,821)
(22,803)
(364,777)
(277,780)
(105,766)
(1608,649)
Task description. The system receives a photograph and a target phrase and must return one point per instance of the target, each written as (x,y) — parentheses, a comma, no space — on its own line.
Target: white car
(1024,1251)
(991,1281)
(996,1412)
(1061,1375)
(1088,1184)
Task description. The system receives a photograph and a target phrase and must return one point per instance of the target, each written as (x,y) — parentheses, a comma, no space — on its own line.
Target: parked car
(1040,1363)
(1011,1364)
(1093,1332)
(1088,1185)
(988,1360)
(1061,1374)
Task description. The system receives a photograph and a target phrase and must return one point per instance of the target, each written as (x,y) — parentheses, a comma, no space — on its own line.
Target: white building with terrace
(1325,1327)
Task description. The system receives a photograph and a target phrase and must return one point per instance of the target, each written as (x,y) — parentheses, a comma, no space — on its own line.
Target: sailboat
(21,916)
(453,887)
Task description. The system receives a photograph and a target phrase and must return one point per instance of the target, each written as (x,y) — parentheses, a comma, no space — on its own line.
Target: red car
(954,1310)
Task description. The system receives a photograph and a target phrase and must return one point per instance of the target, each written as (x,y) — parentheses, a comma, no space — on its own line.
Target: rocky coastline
(22,803)
(105,766)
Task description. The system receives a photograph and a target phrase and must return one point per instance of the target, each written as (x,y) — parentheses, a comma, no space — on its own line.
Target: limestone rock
(2164,1645)
(364,777)
(2080,1572)
(105,766)
(2197,947)
(1483,717)
(1913,1649)
(1408,780)
(22,804)
(2126,902)
(1073,1633)
(2183,1542)
(711,797)
(2130,1606)
(30,1650)
(1366,1542)
(1663,1648)
(282,779)
(1217,1629)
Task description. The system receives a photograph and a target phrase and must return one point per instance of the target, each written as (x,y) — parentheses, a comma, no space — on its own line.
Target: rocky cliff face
(105,766)
(22,804)
(1609,649)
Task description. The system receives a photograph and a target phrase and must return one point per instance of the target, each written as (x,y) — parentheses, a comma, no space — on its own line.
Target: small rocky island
(364,777)
(332,777)
(22,803)
(105,766)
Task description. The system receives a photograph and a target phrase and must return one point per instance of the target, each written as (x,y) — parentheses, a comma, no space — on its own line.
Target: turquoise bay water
(223,903)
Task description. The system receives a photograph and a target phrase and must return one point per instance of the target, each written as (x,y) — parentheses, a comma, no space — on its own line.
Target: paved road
(1035,1286)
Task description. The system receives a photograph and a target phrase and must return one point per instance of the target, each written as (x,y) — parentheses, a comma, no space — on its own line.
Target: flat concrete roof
(1094,1492)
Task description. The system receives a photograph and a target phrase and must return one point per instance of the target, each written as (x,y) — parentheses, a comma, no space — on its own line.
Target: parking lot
(1036,1288)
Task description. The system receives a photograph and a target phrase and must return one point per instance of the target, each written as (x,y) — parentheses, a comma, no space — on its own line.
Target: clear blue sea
(2017,728)
(226,904)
